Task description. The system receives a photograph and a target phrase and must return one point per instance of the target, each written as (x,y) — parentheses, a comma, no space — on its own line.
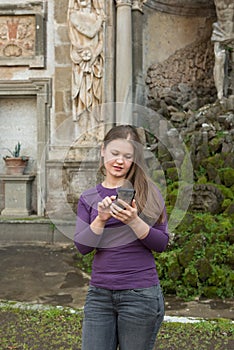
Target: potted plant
(15,163)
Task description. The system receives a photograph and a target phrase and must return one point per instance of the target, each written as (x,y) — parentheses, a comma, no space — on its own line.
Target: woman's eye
(126,156)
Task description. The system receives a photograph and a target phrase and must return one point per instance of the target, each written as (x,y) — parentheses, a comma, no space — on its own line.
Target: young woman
(124,305)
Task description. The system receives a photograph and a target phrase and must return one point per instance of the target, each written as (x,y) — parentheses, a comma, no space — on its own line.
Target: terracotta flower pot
(15,166)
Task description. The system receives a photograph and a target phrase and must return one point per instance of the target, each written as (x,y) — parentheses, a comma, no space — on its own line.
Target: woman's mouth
(118,168)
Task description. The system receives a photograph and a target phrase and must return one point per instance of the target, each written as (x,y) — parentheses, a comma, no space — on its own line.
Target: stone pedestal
(17,194)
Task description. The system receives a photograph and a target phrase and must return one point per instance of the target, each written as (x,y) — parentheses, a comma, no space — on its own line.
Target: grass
(60,329)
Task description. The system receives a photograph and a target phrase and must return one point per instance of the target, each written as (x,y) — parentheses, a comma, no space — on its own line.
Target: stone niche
(22,34)
(184,7)
(25,117)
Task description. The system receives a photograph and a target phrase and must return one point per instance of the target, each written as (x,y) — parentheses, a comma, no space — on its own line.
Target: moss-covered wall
(199,260)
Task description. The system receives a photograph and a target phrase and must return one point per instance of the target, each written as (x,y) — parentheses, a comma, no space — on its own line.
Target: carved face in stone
(205,199)
(224,10)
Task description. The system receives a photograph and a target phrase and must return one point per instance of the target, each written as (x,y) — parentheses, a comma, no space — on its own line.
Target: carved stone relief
(17,36)
(22,40)
(206,198)
(86,24)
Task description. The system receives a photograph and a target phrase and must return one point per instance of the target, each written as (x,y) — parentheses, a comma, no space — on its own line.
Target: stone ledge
(30,230)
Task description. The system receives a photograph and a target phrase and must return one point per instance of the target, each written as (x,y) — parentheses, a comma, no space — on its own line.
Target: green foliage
(172,174)
(44,329)
(227,175)
(196,336)
(227,192)
(202,180)
(84,262)
(215,160)
(199,262)
(16,152)
(200,172)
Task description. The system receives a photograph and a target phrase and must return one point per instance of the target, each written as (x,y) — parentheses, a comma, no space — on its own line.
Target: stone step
(31,231)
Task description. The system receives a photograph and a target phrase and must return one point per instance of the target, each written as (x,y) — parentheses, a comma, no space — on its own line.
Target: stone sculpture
(206,198)
(223,37)
(85,21)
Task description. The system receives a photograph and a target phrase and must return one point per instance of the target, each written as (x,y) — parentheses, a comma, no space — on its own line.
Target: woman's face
(118,158)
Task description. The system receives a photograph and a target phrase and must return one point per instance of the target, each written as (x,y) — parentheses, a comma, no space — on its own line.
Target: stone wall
(184,80)
(208,134)
(62,64)
(166,33)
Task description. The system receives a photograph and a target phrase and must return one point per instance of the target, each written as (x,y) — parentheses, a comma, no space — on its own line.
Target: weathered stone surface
(18,195)
(62,34)
(189,72)
(62,78)
(184,7)
(59,102)
(213,174)
(62,54)
(60,9)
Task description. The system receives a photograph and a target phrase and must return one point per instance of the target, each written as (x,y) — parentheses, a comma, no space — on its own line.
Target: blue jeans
(129,318)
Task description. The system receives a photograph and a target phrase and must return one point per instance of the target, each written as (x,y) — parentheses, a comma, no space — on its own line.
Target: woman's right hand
(104,211)
(98,224)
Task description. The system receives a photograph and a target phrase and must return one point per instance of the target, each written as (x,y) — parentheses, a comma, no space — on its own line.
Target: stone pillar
(123,59)
(18,195)
(137,52)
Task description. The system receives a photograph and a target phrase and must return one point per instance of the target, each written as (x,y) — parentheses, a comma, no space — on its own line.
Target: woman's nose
(120,159)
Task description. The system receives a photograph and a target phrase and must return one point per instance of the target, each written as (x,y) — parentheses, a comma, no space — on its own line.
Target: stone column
(137,49)
(123,59)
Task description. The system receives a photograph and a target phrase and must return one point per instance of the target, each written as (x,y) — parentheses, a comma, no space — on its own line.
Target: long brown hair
(148,199)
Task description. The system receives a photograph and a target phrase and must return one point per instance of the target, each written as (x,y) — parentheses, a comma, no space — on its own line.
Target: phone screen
(126,194)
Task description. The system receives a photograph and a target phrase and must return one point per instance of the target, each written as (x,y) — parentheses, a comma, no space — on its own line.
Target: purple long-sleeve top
(121,261)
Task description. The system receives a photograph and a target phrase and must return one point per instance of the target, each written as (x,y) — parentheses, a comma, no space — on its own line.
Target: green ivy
(199,261)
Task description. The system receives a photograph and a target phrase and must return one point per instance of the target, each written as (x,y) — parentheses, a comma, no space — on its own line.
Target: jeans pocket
(150,293)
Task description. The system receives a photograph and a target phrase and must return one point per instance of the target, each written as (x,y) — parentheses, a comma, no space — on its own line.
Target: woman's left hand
(129,216)
(126,215)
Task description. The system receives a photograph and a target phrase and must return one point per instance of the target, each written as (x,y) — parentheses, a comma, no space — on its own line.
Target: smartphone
(126,194)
